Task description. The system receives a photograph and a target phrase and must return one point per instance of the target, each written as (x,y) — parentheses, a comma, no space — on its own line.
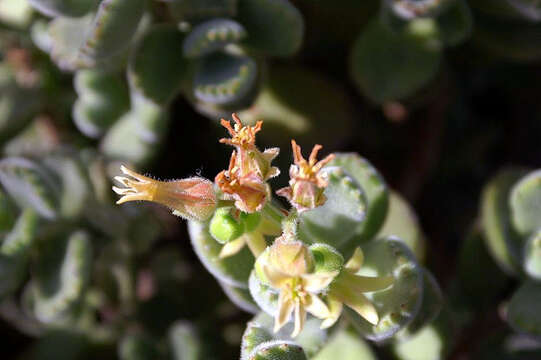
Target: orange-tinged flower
(249,191)
(307,182)
(193,198)
(250,161)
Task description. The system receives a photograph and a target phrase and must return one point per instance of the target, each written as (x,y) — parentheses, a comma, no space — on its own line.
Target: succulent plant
(293,261)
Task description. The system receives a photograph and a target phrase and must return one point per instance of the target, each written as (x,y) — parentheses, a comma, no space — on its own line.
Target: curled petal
(356,261)
(335,310)
(316,307)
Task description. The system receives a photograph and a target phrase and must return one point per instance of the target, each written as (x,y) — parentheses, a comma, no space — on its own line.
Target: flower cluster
(237,211)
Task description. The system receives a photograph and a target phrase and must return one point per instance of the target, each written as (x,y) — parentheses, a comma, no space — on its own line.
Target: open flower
(193,198)
(348,288)
(288,267)
(307,183)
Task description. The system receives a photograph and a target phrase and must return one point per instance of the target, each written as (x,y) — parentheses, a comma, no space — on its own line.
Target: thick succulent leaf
(136,135)
(29,185)
(337,221)
(532,256)
(112,29)
(137,347)
(234,270)
(38,138)
(224,79)
(431,305)
(67,36)
(275,27)
(211,36)
(14,252)
(525,204)
(389,65)
(66,8)
(264,296)
(346,345)
(157,67)
(401,221)
(398,305)
(455,24)
(523,309)
(427,344)
(202,9)
(411,9)
(259,335)
(374,188)
(298,103)
(481,280)
(17,104)
(184,342)
(502,242)
(240,297)
(75,186)
(103,98)
(62,275)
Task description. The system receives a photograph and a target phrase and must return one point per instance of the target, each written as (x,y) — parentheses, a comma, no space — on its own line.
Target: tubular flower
(250,161)
(307,183)
(193,198)
(348,288)
(249,191)
(287,267)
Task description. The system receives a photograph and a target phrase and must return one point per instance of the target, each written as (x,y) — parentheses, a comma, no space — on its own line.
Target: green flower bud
(225,226)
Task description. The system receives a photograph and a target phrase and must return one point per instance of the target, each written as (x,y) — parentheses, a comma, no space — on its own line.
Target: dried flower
(307,184)
(193,198)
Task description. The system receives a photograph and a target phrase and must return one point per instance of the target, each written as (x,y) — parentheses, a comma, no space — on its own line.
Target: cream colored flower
(287,266)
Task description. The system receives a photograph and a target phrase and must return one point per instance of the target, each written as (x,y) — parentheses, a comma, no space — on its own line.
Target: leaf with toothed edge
(112,28)
(224,79)
(211,36)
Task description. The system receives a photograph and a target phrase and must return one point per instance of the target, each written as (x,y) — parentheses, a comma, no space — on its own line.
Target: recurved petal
(276,278)
(300,318)
(285,308)
(315,306)
(316,282)
(356,261)
(335,310)
(363,307)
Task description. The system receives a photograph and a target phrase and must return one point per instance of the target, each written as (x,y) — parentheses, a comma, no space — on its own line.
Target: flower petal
(300,318)
(335,310)
(276,279)
(363,307)
(362,284)
(354,264)
(285,308)
(316,282)
(233,247)
(317,307)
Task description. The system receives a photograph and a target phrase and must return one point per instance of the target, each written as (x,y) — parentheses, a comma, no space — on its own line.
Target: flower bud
(225,226)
